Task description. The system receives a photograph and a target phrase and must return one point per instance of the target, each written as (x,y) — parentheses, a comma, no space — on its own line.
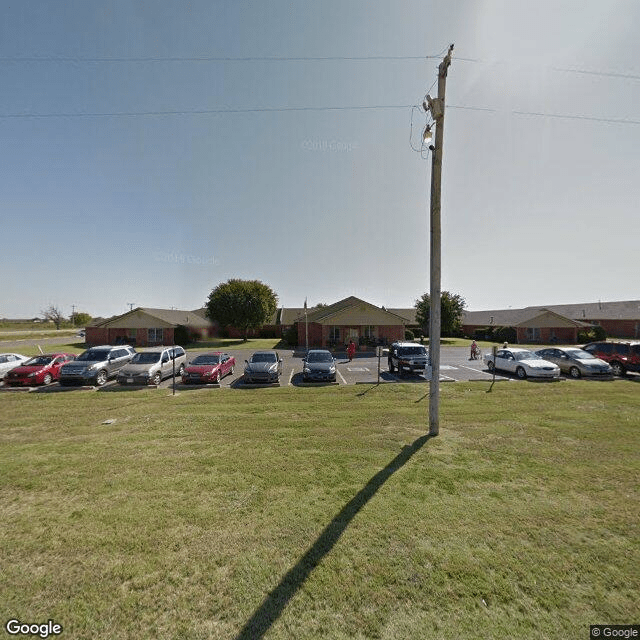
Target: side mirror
(246,362)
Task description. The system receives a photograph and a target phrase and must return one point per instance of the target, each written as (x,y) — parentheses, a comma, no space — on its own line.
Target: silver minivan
(153,365)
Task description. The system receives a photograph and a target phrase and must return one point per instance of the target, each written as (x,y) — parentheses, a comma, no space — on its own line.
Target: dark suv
(407,357)
(621,356)
(96,365)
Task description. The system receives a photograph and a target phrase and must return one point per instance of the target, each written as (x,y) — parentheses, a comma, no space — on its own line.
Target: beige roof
(529,317)
(166,317)
(407,314)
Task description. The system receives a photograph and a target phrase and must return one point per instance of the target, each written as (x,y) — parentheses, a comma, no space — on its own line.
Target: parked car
(42,369)
(407,357)
(208,368)
(96,365)
(263,366)
(9,361)
(522,362)
(153,366)
(621,356)
(319,365)
(576,362)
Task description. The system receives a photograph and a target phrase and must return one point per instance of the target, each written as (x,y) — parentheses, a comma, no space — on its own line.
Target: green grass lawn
(322,513)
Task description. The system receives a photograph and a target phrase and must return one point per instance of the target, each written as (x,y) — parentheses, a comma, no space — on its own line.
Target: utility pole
(73,315)
(436,106)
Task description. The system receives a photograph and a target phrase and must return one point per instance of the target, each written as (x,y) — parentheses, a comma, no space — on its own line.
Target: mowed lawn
(322,513)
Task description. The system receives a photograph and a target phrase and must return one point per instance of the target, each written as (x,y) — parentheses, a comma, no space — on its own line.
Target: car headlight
(332,369)
(307,370)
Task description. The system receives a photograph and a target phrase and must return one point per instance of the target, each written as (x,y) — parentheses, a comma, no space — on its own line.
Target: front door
(352,334)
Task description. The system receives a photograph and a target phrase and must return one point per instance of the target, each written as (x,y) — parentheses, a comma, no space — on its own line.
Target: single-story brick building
(532,325)
(333,326)
(561,322)
(143,327)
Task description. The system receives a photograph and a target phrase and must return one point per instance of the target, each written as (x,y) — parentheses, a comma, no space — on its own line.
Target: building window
(334,334)
(370,332)
(155,335)
(533,334)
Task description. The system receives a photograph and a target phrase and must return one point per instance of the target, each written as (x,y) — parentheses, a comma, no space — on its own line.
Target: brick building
(349,319)
(143,327)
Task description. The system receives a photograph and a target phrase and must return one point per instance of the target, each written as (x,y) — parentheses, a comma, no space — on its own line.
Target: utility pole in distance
(436,106)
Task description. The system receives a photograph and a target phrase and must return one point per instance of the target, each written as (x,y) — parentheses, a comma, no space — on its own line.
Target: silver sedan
(576,362)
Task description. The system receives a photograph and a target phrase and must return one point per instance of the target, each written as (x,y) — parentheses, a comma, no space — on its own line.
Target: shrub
(408,334)
(290,336)
(181,336)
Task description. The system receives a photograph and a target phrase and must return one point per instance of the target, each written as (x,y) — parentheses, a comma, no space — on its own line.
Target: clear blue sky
(151,150)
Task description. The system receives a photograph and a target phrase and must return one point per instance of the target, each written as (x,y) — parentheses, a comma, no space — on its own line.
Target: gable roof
(168,316)
(324,314)
(517,317)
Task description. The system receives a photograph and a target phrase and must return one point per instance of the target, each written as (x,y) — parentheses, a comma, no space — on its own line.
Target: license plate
(130,380)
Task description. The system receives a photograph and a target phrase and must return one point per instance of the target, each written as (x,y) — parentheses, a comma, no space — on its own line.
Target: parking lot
(455,366)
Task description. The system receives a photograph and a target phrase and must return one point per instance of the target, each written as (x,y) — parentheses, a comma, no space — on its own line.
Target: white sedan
(10,361)
(523,363)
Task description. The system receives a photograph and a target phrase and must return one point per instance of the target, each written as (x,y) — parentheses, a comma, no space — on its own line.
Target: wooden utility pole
(437,111)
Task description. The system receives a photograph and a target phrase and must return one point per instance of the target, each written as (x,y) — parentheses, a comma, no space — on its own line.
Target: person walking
(351,350)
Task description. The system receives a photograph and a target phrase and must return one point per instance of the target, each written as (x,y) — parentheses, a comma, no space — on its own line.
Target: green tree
(79,319)
(243,304)
(451,310)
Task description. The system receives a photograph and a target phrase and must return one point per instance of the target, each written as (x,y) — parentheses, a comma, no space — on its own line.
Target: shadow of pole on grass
(273,605)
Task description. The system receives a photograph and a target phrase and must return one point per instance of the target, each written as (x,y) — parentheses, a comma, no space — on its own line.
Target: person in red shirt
(351,350)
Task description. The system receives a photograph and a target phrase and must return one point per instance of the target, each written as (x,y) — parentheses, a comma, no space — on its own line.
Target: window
(370,332)
(155,335)
(533,333)
(334,334)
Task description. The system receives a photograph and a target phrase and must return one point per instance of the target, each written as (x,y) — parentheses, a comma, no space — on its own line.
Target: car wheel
(390,366)
(574,372)
(101,378)
(47,379)
(231,371)
(217,378)
(490,365)
(181,371)
(617,368)
(521,373)
(157,379)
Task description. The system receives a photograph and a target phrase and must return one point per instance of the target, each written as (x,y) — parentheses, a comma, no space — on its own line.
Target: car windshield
(579,354)
(319,356)
(38,360)
(526,355)
(93,356)
(146,357)
(206,360)
(263,357)
(412,351)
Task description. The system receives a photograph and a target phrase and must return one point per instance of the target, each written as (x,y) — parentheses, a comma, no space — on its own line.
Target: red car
(208,368)
(42,369)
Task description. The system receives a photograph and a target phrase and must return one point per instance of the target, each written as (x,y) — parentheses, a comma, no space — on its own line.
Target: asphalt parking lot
(455,366)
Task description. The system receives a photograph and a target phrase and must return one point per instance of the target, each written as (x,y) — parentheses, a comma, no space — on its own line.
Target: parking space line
(476,370)
(290,377)
(341,376)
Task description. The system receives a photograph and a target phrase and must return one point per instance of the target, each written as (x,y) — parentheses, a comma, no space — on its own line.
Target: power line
(196,112)
(576,117)
(77,60)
